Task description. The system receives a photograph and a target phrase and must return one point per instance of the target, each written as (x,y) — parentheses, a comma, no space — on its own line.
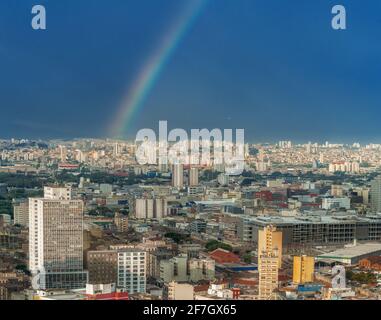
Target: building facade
(193,177)
(182,269)
(179,291)
(269,236)
(178,176)
(21,212)
(102,266)
(313,230)
(121,222)
(150,208)
(56,240)
(132,270)
(375,194)
(303,269)
(268,264)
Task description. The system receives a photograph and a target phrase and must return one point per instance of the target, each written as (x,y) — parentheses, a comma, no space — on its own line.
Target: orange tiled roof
(224,256)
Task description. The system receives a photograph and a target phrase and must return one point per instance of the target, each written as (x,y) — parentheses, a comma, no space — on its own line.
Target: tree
(177,237)
(361,277)
(247,258)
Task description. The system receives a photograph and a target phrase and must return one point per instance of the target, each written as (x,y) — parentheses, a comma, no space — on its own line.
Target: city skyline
(275,141)
(275,65)
(190,157)
(84,220)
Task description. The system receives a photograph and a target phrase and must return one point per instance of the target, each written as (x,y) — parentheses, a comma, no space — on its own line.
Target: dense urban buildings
(101,226)
(209,151)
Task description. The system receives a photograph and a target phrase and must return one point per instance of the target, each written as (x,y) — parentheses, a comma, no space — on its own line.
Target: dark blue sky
(273,67)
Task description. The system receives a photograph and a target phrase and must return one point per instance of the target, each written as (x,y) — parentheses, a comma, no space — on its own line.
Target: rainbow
(146,79)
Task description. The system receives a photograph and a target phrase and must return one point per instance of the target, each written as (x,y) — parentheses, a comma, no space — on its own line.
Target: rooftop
(337,218)
(352,252)
(224,256)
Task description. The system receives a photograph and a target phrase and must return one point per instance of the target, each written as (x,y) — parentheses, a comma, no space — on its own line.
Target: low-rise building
(352,255)
(224,256)
(180,291)
(371,263)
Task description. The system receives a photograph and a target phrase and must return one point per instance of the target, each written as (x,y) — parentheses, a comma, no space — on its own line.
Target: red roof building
(372,263)
(264,195)
(108,296)
(223,256)
(201,288)
(246,282)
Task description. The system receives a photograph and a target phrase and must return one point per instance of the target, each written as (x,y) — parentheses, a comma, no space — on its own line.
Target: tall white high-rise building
(193,177)
(56,240)
(178,176)
(132,270)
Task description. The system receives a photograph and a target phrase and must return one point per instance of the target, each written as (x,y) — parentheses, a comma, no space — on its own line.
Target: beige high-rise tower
(268,261)
(193,177)
(264,243)
(178,176)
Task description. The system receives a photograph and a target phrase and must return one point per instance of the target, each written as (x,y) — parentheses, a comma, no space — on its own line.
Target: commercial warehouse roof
(216,202)
(352,252)
(313,219)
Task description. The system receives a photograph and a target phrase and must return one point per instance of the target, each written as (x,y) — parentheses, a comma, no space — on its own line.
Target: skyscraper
(275,243)
(268,262)
(193,177)
(375,194)
(56,240)
(178,176)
